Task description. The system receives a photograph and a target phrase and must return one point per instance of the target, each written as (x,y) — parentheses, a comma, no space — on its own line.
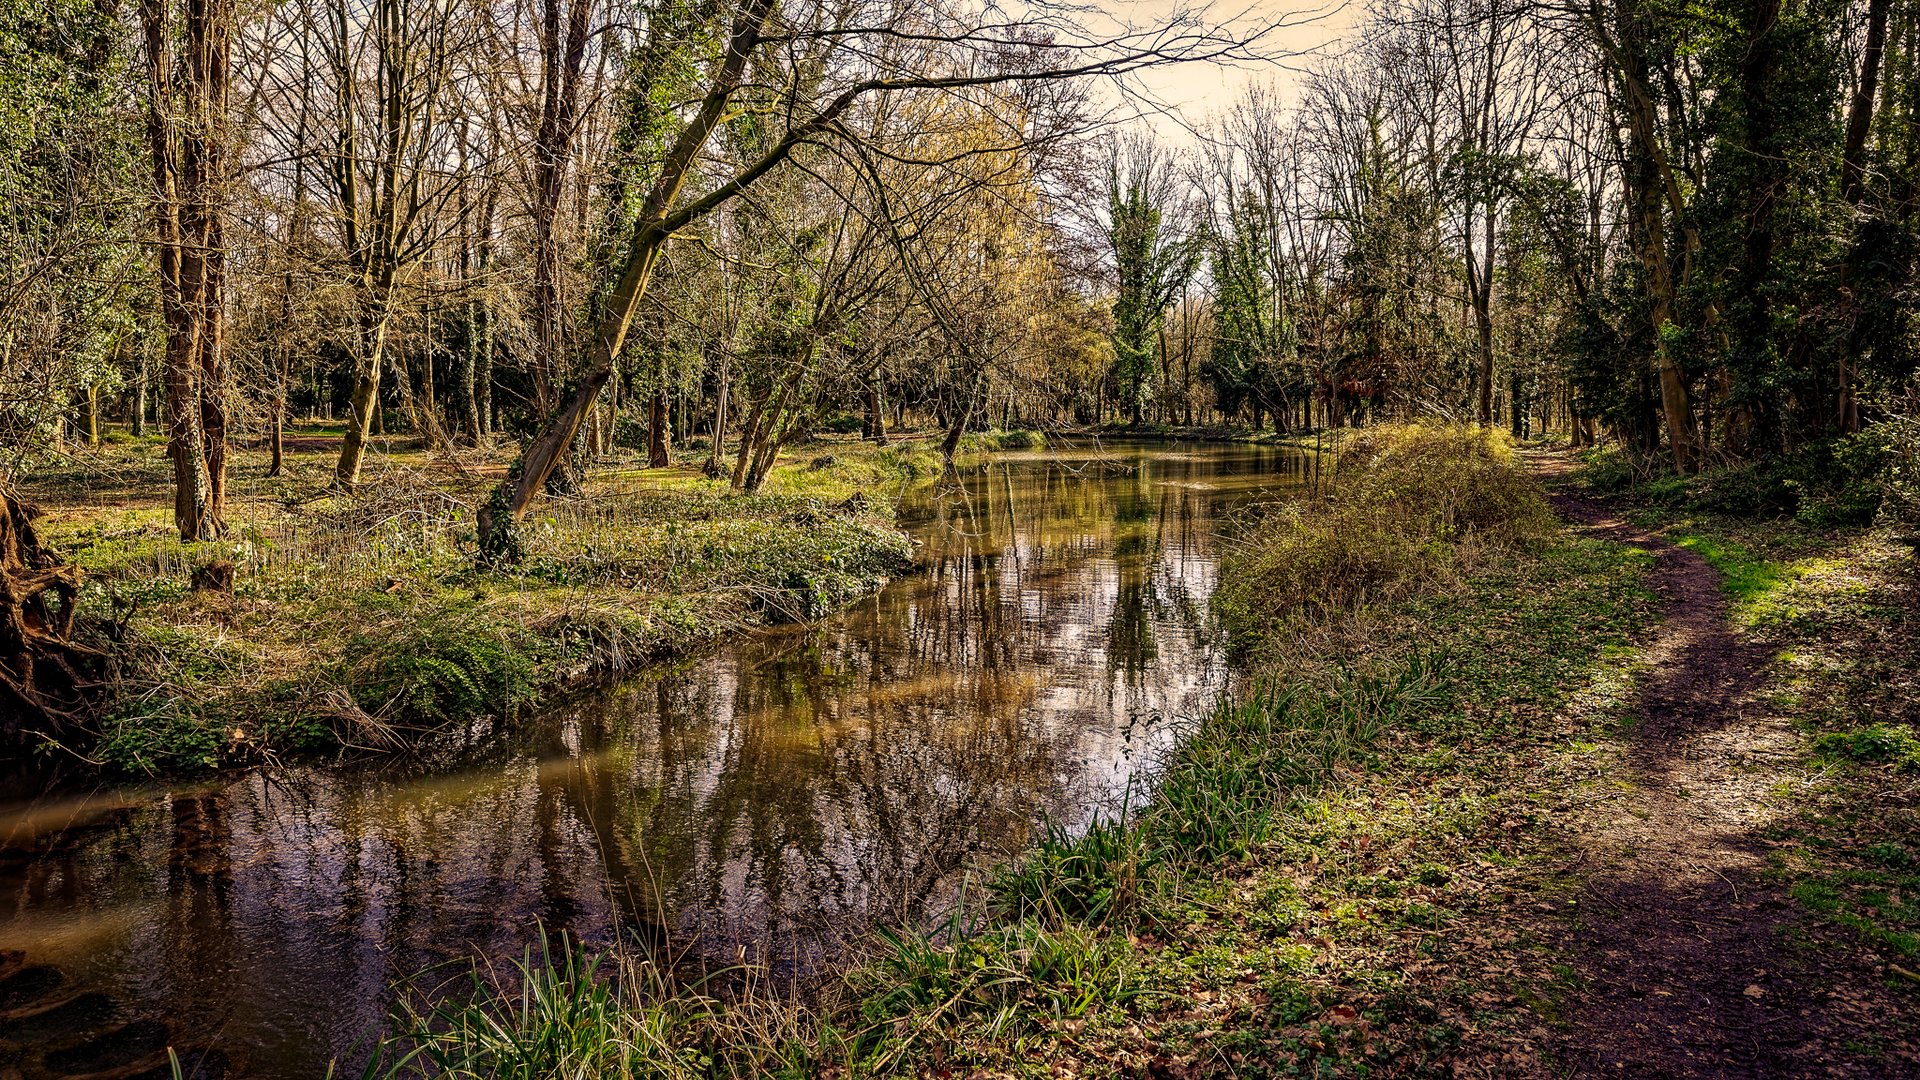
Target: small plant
(1608,469)
(447,672)
(1875,744)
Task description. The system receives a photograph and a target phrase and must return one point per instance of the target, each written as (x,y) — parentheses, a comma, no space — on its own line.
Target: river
(763,801)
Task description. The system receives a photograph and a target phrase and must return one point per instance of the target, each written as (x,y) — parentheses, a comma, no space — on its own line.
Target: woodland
(370,366)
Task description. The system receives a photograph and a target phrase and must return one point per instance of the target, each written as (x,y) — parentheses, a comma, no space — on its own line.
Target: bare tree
(872,62)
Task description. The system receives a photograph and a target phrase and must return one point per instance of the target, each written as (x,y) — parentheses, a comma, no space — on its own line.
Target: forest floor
(364,622)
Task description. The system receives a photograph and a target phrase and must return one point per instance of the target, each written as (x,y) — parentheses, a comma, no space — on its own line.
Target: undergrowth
(1405,507)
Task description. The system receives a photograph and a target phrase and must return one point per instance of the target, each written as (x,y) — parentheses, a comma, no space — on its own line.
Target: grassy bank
(363,621)
(1314,887)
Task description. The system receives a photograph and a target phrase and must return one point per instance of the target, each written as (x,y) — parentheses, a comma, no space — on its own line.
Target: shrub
(1608,470)
(1900,505)
(986,442)
(1829,483)
(1403,503)
(447,671)
(840,424)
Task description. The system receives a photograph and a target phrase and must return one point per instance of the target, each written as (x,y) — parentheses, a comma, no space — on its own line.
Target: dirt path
(1683,949)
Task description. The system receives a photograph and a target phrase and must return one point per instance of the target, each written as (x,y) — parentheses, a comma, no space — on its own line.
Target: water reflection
(767,801)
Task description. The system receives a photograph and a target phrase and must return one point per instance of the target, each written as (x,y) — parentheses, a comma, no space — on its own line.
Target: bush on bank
(1840,482)
(1400,507)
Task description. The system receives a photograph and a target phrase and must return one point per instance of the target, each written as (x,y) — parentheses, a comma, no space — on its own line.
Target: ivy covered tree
(1154,255)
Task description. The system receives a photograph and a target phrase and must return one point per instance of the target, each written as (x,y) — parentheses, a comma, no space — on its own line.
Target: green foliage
(1608,470)
(1825,483)
(1001,977)
(72,210)
(1744,574)
(1083,878)
(1223,793)
(552,1017)
(1901,501)
(839,423)
(448,671)
(987,442)
(1021,439)
(1153,261)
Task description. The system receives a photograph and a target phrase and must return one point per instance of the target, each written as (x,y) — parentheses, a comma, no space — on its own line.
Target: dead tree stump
(215,577)
(48,681)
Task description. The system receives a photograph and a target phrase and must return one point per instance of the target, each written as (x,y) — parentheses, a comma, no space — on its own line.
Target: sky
(1190,93)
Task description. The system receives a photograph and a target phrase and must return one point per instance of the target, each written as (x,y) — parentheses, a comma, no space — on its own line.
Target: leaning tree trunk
(48,681)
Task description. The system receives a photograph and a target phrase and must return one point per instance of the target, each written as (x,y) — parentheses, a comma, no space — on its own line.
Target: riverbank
(1296,870)
(1636,792)
(357,623)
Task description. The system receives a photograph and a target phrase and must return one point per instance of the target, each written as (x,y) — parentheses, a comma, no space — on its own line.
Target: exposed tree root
(48,681)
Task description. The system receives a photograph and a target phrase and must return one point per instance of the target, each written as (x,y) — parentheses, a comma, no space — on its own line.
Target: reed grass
(1400,509)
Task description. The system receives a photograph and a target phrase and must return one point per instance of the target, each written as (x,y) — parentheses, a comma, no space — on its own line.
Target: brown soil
(1691,963)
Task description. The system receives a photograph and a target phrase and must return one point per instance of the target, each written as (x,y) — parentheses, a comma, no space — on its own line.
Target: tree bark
(362,403)
(1853,182)
(1652,190)
(186,121)
(657,222)
(659,437)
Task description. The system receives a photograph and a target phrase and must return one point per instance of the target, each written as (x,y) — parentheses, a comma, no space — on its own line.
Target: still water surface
(768,800)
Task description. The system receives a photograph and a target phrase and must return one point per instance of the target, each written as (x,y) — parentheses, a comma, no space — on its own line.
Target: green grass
(1746,577)
(1307,843)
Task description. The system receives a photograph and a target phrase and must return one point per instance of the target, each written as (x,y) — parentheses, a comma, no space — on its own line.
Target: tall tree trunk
(186,131)
(1480,273)
(1853,183)
(1652,191)
(719,439)
(657,221)
(876,418)
(1860,110)
(138,424)
(963,416)
(563,45)
(90,414)
(659,438)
